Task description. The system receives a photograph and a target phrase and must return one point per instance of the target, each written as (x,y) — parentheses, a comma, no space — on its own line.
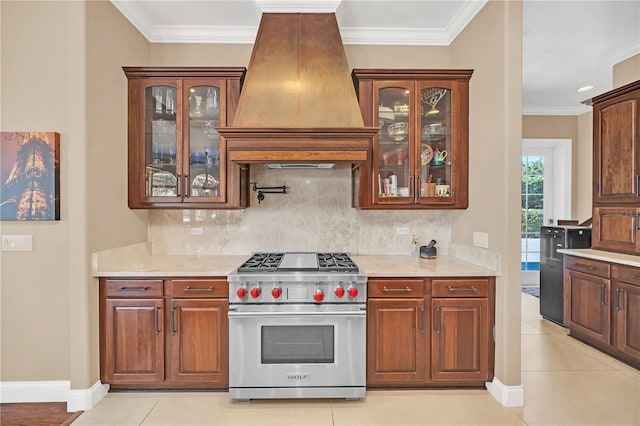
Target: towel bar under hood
(298,103)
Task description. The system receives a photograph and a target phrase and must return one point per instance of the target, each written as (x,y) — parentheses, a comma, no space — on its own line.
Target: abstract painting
(29,176)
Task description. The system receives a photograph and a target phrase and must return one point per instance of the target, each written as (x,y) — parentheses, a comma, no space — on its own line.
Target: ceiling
(566,44)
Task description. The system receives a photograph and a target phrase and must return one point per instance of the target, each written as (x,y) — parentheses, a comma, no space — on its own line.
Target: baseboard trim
(85,399)
(509,396)
(51,391)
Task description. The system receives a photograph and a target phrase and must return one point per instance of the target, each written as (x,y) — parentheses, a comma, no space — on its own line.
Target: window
(532,211)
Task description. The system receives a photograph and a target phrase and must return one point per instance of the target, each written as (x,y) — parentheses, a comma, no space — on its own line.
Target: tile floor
(565,382)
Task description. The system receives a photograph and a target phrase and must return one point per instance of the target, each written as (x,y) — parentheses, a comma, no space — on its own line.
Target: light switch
(16,243)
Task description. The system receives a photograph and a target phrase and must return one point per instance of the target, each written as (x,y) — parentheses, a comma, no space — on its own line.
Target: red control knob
(353,292)
(339,291)
(242,292)
(276,292)
(255,292)
(318,296)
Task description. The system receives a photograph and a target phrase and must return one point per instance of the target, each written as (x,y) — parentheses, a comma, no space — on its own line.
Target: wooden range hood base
(246,145)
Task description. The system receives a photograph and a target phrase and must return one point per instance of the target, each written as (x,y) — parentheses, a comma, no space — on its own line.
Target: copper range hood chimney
(298,103)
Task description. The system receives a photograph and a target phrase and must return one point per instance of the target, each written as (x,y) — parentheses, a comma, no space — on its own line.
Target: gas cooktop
(299,262)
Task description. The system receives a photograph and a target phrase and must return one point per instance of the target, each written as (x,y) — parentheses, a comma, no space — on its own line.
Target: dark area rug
(36,413)
(534,291)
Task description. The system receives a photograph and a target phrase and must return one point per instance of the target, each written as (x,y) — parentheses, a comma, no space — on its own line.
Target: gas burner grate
(260,262)
(336,262)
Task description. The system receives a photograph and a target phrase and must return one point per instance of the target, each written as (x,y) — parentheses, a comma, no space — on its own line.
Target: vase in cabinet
(177,158)
(419,159)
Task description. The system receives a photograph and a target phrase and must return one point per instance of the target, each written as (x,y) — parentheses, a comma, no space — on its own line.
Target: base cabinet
(134,340)
(397,349)
(587,308)
(426,332)
(462,323)
(158,334)
(602,306)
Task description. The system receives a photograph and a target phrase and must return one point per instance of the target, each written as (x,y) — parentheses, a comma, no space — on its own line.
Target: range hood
(298,104)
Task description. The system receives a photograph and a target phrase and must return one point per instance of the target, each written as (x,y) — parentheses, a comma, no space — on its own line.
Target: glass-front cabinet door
(436,150)
(161,124)
(393,154)
(204,153)
(183,155)
(420,156)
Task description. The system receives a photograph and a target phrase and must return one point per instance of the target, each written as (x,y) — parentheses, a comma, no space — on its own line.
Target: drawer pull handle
(618,291)
(634,276)
(157,320)
(407,289)
(188,288)
(453,289)
(134,289)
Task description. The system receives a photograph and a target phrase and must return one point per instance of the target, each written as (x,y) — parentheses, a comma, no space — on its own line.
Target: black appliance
(553,238)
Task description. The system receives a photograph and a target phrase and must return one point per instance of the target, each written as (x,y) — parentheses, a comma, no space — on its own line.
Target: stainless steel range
(297,327)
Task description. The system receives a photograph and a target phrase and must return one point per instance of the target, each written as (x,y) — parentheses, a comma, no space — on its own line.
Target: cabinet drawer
(627,274)
(133,288)
(195,288)
(460,288)
(587,266)
(395,288)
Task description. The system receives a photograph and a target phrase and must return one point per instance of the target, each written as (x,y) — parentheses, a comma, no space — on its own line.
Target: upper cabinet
(616,170)
(177,158)
(420,158)
(616,135)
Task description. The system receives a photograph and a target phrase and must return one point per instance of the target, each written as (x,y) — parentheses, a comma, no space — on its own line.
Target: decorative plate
(426,154)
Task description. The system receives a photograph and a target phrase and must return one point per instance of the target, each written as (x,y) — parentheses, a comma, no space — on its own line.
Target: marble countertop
(138,262)
(606,256)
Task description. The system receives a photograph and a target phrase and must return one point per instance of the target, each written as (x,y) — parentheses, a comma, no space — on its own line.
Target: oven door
(297,346)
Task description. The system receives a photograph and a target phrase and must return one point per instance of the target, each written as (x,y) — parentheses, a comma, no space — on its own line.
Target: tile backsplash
(314,215)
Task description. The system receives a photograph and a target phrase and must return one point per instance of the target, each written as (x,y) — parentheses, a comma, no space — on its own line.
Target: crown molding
(350,35)
(203,34)
(555,110)
(465,15)
(298,6)
(395,36)
(133,15)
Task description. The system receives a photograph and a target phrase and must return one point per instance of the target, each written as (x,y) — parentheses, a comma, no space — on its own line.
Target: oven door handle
(236,314)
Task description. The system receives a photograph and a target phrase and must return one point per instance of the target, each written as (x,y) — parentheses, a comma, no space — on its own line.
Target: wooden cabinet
(616,117)
(587,299)
(425,333)
(157,334)
(616,174)
(177,158)
(198,331)
(461,335)
(602,306)
(132,331)
(616,229)
(420,158)
(397,347)
(626,309)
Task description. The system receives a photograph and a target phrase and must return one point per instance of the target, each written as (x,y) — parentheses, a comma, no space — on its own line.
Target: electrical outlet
(17,243)
(197,231)
(481,239)
(402,230)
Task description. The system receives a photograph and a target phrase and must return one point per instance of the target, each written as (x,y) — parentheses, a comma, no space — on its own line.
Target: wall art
(29,176)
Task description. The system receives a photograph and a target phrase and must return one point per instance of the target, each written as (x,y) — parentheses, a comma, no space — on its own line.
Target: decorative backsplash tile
(314,215)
